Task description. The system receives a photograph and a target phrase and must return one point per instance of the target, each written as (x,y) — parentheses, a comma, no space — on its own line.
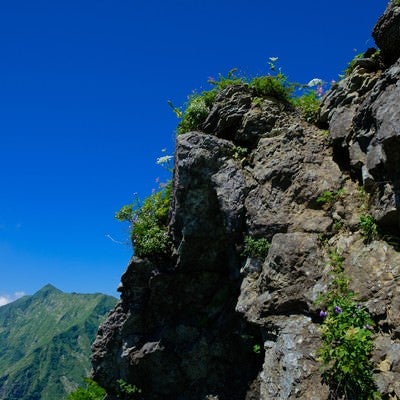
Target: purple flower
(358,306)
(338,310)
(323,314)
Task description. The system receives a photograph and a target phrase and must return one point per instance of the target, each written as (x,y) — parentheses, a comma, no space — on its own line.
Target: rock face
(363,116)
(210,323)
(387,32)
(176,333)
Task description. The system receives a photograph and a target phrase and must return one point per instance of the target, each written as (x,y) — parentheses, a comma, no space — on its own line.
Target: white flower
(315,82)
(164,160)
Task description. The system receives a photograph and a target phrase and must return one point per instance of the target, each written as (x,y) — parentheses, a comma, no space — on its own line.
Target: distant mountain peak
(45,342)
(46,290)
(50,287)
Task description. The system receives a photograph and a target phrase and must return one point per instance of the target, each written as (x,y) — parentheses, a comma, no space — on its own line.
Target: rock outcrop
(210,323)
(387,33)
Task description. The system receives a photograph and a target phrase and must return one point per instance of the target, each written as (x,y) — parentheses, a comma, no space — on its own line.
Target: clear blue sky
(83,110)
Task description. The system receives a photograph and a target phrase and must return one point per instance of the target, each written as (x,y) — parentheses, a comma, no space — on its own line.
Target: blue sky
(84,87)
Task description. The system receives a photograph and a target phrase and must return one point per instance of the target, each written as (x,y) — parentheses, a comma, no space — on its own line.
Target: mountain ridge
(45,340)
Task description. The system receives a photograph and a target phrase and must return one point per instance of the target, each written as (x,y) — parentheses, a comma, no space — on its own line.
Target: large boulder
(387,32)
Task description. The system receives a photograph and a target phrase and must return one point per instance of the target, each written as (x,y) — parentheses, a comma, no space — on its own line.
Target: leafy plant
(92,391)
(368,227)
(230,80)
(275,86)
(308,104)
(347,338)
(196,111)
(128,389)
(257,101)
(377,56)
(352,64)
(338,225)
(257,248)
(364,198)
(239,153)
(149,223)
(328,197)
(257,348)
(198,106)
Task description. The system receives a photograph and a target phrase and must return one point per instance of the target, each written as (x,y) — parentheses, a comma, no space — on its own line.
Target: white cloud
(6,298)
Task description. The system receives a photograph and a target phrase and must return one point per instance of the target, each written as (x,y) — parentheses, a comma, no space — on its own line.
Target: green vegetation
(347,339)
(368,227)
(308,104)
(126,388)
(198,106)
(352,64)
(338,225)
(148,221)
(91,391)
(257,348)
(257,101)
(196,111)
(257,248)
(230,80)
(45,342)
(377,57)
(329,198)
(240,153)
(274,85)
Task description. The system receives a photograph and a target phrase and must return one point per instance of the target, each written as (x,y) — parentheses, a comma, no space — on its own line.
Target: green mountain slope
(45,342)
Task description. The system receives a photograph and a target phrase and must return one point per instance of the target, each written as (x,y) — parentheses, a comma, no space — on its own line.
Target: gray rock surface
(290,280)
(180,331)
(290,170)
(293,351)
(364,127)
(175,333)
(387,32)
(237,116)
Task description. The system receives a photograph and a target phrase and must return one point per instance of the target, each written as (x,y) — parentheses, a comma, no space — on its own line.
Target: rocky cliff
(210,323)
